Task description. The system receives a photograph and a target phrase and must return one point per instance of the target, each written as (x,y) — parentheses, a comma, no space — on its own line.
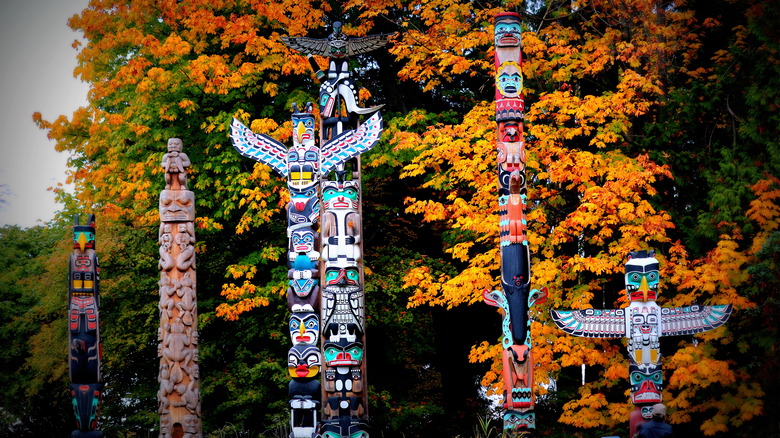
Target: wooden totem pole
(341,305)
(345,392)
(515,297)
(644,322)
(179,376)
(85,350)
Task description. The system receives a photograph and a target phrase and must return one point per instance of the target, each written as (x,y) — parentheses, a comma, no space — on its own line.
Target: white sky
(36,74)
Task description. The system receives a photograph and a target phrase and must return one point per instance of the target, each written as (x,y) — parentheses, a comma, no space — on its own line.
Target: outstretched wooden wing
(592,323)
(350,143)
(357,46)
(259,147)
(693,319)
(312,46)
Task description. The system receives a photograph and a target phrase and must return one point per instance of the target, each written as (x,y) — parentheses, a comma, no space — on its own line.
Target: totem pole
(345,411)
(85,350)
(643,323)
(179,376)
(515,297)
(302,165)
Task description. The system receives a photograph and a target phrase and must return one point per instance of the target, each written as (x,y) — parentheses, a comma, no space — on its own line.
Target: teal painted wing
(259,147)
(351,143)
(694,319)
(592,323)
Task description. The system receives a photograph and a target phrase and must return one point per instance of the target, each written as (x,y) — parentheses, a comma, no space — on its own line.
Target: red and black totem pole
(85,351)
(515,297)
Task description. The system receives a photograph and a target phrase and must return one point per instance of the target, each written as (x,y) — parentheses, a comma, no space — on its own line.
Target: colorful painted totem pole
(303,165)
(179,376)
(643,323)
(345,411)
(85,349)
(515,297)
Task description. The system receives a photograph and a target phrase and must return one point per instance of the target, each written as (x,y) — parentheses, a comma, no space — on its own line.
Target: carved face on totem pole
(642,276)
(303,294)
(304,361)
(340,195)
(302,240)
(516,420)
(343,353)
(342,310)
(351,428)
(304,328)
(84,235)
(509,79)
(303,158)
(507,30)
(647,382)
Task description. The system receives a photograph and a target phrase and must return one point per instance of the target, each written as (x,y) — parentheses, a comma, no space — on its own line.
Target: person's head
(659,411)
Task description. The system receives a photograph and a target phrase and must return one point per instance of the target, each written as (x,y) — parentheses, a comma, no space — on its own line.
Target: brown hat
(659,410)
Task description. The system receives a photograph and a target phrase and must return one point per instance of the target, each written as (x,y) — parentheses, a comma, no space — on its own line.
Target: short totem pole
(85,351)
(179,376)
(644,322)
(345,411)
(303,165)
(515,297)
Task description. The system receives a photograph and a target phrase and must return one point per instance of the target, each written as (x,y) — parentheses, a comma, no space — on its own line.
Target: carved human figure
(175,163)
(187,305)
(165,240)
(185,239)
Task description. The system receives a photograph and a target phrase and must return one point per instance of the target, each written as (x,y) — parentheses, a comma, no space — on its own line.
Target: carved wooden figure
(179,376)
(85,351)
(516,296)
(644,322)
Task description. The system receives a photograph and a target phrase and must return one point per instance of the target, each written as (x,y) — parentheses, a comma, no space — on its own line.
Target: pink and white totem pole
(643,322)
(515,297)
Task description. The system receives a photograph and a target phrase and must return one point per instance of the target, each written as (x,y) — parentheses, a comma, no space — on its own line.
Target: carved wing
(259,147)
(357,46)
(351,143)
(693,319)
(312,46)
(592,323)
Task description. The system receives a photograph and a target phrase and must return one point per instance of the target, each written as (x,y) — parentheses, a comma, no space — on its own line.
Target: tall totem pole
(644,322)
(179,376)
(331,316)
(85,350)
(345,392)
(515,297)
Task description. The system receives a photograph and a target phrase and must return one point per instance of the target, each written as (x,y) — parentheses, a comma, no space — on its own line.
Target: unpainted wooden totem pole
(179,376)
(515,297)
(85,350)
(644,322)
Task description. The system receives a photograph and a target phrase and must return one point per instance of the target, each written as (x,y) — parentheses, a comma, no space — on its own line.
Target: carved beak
(82,241)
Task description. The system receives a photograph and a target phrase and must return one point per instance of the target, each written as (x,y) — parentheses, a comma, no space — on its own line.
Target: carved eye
(652,276)
(292,156)
(310,156)
(635,277)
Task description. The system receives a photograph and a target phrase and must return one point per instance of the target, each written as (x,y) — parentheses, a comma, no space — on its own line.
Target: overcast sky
(36,74)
